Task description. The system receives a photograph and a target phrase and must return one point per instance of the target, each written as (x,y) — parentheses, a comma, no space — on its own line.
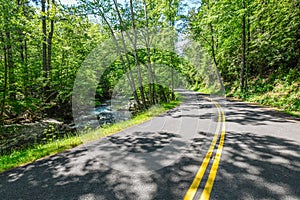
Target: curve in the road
(190,194)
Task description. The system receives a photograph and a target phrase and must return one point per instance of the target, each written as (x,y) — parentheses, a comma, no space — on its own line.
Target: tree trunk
(141,88)
(243,66)
(44,42)
(5,80)
(248,64)
(129,76)
(26,69)
(10,64)
(172,84)
(49,41)
(149,65)
(22,55)
(172,24)
(212,43)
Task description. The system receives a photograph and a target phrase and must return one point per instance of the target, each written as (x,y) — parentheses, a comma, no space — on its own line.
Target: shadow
(258,167)
(91,171)
(252,167)
(193,107)
(248,114)
(142,142)
(123,166)
(161,165)
(56,178)
(139,165)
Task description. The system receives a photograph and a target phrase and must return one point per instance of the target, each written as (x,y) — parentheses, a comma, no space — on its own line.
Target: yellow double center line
(213,171)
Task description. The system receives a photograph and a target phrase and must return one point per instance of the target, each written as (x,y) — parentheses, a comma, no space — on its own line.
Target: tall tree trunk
(171,19)
(49,41)
(243,66)
(141,88)
(44,42)
(129,76)
(26,69)
(21,39)
(10,64)
(172,65)
(5,80)
(212,38)
(213,50)
(22,56)
(136,97)
(149,65)
(248,64)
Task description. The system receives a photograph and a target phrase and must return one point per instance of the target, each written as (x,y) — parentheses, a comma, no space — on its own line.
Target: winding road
(206,148)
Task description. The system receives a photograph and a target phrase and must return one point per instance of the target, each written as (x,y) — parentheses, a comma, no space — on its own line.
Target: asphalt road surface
(205,148)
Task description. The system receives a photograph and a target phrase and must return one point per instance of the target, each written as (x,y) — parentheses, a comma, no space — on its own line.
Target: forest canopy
(254,44)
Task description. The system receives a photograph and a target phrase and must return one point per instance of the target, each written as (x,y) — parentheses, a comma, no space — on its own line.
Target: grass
(201,88)
(295,114)
(22,157)
(278,91)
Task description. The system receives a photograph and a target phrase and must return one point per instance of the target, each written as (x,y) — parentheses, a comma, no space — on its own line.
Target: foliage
(43,45)
(280,91)
(21,157)
(255,45)
(24,85)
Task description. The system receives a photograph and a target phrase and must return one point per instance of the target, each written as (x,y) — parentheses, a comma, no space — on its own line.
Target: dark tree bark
(151,84)
(22,56)
(248,64)
(129,76)
(44,42)
(5,80)
(243,66)
(26,69)
(212,39)
(49,41)
(10,64)
(141,88)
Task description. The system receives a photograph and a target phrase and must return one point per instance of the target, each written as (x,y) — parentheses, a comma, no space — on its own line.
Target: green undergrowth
(21,157)
(279,91)
(202,88)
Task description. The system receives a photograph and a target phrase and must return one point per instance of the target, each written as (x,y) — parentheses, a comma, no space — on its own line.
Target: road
(205,148)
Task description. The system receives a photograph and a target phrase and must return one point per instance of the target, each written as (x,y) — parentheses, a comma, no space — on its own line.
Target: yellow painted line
(213,172)
(195,184)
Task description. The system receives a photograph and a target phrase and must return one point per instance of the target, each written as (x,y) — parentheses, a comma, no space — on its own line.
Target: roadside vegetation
(254,45)
(28,155)
(281,91)
(45,45)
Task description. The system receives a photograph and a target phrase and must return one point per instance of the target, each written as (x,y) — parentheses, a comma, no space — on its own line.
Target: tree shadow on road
(258,167)
(105,169)
(252,166)
(57,177)
(83,173)
(248,114)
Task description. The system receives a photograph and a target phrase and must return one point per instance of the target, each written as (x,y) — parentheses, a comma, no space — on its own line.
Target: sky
(68,2)
(192,3)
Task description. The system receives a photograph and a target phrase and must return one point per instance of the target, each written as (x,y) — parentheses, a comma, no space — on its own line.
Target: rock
(20,136)
(52,121)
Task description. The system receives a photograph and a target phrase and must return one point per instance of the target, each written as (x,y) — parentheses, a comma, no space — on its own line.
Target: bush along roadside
(276,90)
(22,136)
(18,157)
